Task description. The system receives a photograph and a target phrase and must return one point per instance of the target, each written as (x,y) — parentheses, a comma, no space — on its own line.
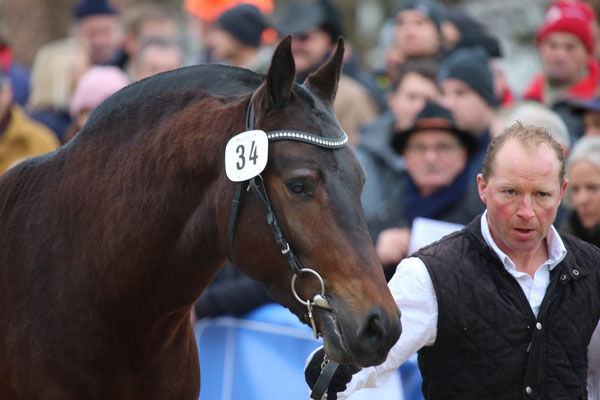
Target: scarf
(432,206)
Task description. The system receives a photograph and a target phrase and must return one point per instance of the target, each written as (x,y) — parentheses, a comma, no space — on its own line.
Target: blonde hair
(52,75)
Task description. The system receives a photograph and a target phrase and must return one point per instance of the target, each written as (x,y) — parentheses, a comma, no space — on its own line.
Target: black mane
(215,79)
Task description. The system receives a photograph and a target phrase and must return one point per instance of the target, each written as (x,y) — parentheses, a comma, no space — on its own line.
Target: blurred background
(29,24)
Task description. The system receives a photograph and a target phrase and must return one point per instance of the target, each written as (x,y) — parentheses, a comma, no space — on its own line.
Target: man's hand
(340,379)
(392,245)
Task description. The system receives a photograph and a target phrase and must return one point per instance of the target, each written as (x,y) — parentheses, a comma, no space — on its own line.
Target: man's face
(310,48)
(410,97)
(223,45)
(471,112)
(101,34)
(416,34)
(156,59)
(584,191)
(591,120)
(163,28)
(564,58)
(434,158)
(522,196)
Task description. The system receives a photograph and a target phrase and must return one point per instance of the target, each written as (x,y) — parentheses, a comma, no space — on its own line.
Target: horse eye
(297,187)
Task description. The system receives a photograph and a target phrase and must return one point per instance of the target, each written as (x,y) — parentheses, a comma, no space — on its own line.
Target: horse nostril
(373,330)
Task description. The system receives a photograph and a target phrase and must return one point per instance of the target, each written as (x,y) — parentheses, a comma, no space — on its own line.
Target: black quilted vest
(489,344)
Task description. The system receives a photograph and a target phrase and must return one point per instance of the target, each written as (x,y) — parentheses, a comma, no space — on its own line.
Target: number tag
(246,155)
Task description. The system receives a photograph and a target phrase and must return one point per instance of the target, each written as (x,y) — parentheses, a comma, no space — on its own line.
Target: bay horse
(106,243)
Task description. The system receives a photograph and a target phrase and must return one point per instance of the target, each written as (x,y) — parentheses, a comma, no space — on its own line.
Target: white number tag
(246,155)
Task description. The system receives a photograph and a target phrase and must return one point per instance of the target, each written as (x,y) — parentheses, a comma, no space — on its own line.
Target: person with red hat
(565,43)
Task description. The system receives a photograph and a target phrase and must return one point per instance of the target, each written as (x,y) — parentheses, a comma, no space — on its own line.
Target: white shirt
(412,288)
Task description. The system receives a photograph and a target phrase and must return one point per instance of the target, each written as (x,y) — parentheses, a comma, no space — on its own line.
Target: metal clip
(320,301)
(312,320)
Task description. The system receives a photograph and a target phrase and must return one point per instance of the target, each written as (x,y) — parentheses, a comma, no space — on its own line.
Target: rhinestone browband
(309,138)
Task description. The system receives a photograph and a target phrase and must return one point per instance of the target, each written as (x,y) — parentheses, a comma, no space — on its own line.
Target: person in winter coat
(436,184)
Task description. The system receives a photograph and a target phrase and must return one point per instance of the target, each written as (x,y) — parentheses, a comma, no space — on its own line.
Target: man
(418,29)
(98,28)
(20,136)
(565,43)
(590,110)
(435,185)
(236,39)
(140,22)
(203,14)
(315,27)
(506,307)
(416,85)
(468,92)
(417,34)
(155,55)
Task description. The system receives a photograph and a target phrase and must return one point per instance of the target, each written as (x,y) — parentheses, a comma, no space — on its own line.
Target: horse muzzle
(363,343)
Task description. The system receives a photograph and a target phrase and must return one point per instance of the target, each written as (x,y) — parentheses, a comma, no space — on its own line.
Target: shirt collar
(556,248)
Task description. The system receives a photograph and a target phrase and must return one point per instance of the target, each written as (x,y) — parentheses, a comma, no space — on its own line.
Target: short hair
(586,148)
(526,135)
(534,113)
(426,67)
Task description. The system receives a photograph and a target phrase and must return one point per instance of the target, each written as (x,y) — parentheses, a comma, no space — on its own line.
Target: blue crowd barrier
(262,356)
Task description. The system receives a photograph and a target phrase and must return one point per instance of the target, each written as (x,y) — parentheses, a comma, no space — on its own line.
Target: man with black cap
(315,27)
(98,27)
(236,39)
(418,29)
(436,184)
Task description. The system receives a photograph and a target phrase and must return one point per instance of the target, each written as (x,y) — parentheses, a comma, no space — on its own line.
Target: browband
(285,134)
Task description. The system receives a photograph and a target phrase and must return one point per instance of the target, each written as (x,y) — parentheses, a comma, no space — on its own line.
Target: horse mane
(195,81)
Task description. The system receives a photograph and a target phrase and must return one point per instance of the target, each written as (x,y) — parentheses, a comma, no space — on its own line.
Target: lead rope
(328,368)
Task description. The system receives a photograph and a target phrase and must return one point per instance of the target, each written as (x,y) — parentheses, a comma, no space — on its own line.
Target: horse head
(315,193)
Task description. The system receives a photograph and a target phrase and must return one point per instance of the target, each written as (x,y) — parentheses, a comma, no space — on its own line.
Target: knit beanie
(86,8)
(298,17)
(473,33)
(95,86)
(470,65)
(568,16)
(244,22)
(431,9)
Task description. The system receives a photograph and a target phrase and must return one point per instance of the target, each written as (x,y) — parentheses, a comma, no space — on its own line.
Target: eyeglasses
(440,150)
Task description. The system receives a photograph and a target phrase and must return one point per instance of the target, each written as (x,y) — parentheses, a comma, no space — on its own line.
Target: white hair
(533,113)
(586,148)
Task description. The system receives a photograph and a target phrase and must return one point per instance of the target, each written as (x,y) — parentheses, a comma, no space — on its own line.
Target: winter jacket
(489,343)
(24,138)
(467,206)
(383,166)
(572,225)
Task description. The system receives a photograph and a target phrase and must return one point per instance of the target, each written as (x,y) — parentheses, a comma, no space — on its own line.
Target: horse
(106,243)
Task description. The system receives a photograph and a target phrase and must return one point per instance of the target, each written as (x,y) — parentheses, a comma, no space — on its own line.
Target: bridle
(258,186)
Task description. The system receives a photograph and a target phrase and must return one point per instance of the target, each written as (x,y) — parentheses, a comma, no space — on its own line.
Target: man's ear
(563,188)
(481,186)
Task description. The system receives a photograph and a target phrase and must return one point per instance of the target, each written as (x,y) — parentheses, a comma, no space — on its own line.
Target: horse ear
(325,79)
(282,73)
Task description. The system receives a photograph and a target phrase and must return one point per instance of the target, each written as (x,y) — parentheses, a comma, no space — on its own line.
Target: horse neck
(172,206)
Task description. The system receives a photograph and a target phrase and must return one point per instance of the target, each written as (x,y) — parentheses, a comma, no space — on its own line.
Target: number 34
(241,152)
